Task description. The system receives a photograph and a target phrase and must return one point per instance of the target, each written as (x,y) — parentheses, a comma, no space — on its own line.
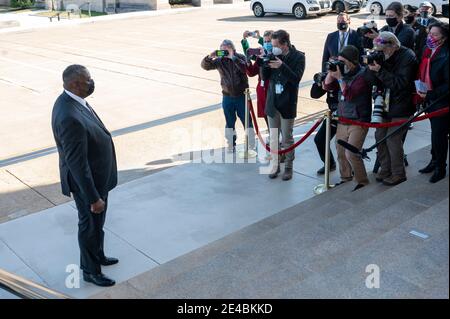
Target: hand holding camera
(276,63)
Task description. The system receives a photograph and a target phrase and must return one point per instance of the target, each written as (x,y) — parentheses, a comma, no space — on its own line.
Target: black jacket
(420,39)
(398,74)
(439,68)
(331,47)
(87,158)
(233,73)
(404,33)
(289,76)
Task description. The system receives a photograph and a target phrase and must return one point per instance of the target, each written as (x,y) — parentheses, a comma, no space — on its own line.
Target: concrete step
(304,241)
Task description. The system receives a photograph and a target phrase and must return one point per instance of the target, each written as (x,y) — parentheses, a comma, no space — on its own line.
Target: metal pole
(247,153)
(321,188)
(327,149)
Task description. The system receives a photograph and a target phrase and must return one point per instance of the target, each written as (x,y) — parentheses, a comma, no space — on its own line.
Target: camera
(379,111)
(267,58)
(319,77)
(334,65)
(374,56)
(367,27)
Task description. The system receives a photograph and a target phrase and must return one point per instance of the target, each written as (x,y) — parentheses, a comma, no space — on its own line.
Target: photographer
(284,70)
(335,41)
(255,69)
(420,30)
(232,68)
(394,19)
(433,71)
(396,74)
(354,83)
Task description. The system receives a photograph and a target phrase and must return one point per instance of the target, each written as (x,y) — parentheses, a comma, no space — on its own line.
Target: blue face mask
(268,47)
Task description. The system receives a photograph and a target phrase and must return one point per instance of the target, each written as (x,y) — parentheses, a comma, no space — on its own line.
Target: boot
(288,172)
(275,173)
(394,180)
(430,168)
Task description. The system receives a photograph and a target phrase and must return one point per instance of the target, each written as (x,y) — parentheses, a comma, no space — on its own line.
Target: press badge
(279,88)
(262,83)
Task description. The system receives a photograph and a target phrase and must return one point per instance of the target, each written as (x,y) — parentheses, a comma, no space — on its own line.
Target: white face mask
(277,51)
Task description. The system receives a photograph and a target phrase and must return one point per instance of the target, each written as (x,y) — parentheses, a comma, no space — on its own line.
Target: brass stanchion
(321,188)
(246,153)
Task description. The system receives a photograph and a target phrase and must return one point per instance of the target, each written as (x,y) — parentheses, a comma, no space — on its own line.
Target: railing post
(247,153)
(321,188)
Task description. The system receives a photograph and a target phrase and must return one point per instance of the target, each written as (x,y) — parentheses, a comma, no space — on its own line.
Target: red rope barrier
(287,150)
(396,123)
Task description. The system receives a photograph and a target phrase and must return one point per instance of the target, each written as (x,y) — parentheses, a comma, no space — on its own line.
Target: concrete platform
(158,218)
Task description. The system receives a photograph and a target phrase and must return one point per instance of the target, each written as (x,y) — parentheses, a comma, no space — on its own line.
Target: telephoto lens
(378,112)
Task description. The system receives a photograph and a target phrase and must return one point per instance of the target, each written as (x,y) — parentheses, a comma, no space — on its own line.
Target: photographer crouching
(354,84)
(284,70)
(396,71)
(232,68)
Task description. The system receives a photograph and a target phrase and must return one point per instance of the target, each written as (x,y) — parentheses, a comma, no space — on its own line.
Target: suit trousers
(90,234)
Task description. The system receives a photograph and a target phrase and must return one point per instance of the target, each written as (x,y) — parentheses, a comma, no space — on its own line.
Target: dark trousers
(233,106)
(320,140)
(90,234)
(439,140)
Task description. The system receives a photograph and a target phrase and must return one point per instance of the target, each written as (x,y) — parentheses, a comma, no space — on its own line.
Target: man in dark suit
(334,43)
(425,10)
(338,39)
(88,169)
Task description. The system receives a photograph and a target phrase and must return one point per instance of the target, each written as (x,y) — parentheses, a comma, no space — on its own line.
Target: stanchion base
(248,154)
(321,188)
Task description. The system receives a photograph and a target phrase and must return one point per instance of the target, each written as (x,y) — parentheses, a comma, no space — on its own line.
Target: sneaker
(394,180)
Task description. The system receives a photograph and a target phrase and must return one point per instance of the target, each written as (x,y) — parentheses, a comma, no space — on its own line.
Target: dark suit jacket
(331,47)
(87,158)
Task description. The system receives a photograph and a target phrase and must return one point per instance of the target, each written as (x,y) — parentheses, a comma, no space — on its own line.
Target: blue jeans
(233,106)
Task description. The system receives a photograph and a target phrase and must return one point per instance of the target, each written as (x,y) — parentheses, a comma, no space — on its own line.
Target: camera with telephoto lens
(367,28)
(379,110)
(374,56)
(334,65)
(319,77)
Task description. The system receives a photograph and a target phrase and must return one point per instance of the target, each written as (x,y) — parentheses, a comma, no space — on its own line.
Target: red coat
(261,91)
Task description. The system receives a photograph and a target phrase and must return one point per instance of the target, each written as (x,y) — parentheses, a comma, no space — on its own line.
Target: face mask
(342,26)
(432,42)
(392,22)
(277,51)
(268,47)
(409,19)
(424,14)
(91,88)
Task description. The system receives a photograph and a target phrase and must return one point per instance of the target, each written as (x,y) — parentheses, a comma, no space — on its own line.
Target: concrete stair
(320,249)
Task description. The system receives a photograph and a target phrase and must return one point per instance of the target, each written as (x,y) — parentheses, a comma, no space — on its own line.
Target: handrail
(26,289)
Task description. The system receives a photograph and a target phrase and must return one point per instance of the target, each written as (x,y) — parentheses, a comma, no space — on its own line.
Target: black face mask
(392,22)
(91,87)
(342,26)
(409,19)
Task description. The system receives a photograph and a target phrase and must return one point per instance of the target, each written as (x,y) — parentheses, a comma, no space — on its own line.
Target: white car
(378,7)
(299,8)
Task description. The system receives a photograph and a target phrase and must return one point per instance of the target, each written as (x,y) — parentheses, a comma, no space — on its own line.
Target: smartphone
(251,52)
(222,53)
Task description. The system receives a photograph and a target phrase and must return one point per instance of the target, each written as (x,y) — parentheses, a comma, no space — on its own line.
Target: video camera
(367,28)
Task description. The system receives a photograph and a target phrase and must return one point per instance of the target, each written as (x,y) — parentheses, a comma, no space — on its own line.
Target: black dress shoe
(321,171)
(98,279)
(108,261)
(428,169)
(359,186)
(438,175)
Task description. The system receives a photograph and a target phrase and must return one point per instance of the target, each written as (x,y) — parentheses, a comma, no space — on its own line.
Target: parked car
(377,7)
(299,8)
(346,5)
